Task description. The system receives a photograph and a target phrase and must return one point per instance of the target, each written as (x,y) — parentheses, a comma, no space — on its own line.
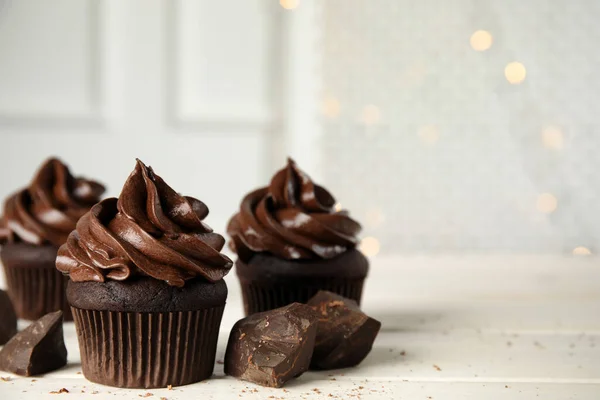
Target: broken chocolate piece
(8,318)
(38,349)
(272,347)
(345,334)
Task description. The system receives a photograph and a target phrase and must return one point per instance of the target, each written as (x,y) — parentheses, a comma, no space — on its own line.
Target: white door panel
(99,83)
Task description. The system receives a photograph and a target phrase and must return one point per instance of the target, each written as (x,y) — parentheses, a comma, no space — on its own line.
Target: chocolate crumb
(78,372)
(95,392)
(317,391)
(163,398)
(146,395)
(361,387)
(403,353)
(437,368)
(59,391)
(221,362)
(506,386)
(34,380)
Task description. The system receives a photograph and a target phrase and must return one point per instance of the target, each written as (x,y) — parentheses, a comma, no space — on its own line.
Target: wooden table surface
(476,327)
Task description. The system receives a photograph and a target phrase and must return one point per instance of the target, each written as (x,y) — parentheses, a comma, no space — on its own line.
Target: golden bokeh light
(369,246)
(374,217)
(289,4)
(547,203)
(331,107)
(515,72)
(581,251)
(429,134)
(552,138)
(481,40)
(370,114)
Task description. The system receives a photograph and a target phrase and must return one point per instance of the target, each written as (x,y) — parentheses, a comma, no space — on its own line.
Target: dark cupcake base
(145,294)
(147,350)
(143,333)
(34,285)
(269,282)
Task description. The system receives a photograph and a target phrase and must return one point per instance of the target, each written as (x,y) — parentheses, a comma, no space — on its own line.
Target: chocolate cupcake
(147,289)
(36,221)
(291,243)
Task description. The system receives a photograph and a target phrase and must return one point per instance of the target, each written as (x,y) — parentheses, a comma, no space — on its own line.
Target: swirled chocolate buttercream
(48,209)
(292,218)
(150,230)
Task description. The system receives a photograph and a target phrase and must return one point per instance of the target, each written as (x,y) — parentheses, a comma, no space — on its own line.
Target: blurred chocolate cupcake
(291,243)
(147,289)
(36,221)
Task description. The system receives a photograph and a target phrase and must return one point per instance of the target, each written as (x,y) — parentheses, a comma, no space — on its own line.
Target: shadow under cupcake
(291,242)
(36,221)
(146,289)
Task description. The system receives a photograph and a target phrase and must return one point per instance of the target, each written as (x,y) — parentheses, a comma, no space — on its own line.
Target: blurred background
(462,126)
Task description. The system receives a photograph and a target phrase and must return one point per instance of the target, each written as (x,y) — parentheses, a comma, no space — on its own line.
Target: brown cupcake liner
(264,296)
(36,291)
(147,350)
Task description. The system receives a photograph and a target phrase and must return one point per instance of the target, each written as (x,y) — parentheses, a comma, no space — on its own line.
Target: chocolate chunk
(345,335)
(38,349)
(8,318)
(272,347)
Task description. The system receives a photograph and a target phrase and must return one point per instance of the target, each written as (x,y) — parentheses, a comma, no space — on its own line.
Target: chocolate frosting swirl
(48,210)
(293,218)
(149,230)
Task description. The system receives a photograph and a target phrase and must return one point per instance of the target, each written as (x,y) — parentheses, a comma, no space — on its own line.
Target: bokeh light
(581,251)
(547,203)
(552,138)
(331,107)
(369,246)
(289,4)
(515,72)
(429,134)
(481,40)
(370,114)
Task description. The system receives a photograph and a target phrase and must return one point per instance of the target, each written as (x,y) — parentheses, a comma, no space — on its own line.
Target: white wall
(192,88)
(427,142)
(420,136)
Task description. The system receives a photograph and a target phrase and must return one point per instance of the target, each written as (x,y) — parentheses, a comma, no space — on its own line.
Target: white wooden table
(453,328)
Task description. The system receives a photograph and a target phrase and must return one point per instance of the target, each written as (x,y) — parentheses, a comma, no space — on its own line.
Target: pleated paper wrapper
(264,296)
(147,350)
(37,290)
